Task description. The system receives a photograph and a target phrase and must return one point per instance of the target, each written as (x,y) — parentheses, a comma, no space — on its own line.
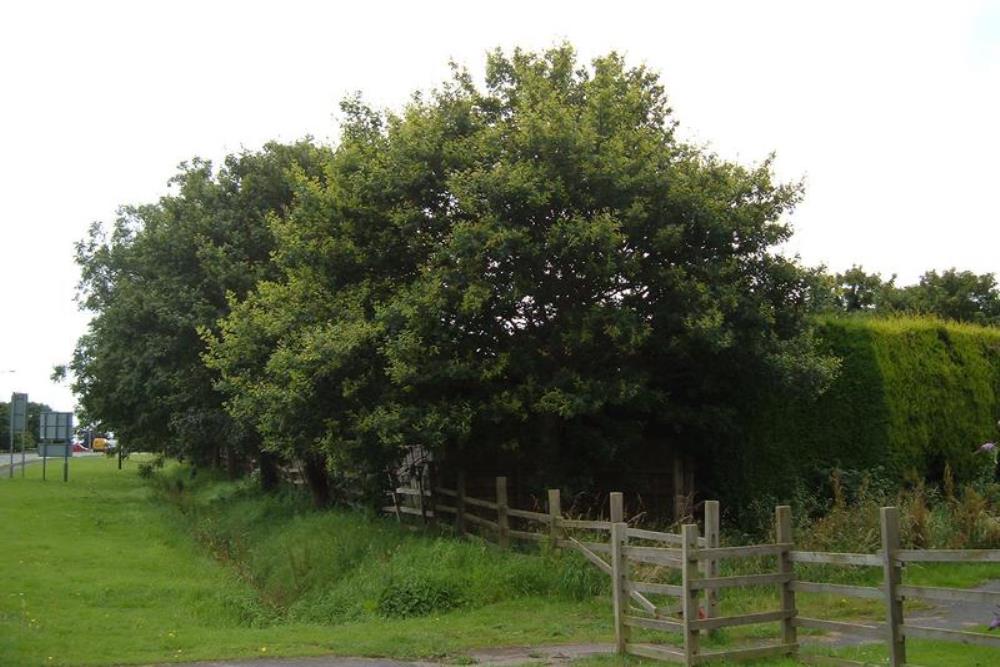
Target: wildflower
(987,447)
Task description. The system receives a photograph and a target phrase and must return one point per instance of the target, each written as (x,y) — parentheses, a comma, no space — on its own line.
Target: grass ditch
(340,566)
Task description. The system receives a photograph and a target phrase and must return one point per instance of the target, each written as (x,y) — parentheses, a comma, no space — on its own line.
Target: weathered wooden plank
(525,535)
(749,551)
(868,560)
(873,630)
(959,636)
(587,525)
(655,652)
(742,619)
(654,623)
(530,516)
(619,596)
(783,533)
(655,589)
(446,492)
(445,508)
(480,521)
(555,513)
(689,601)
(866,592)
(749,653)
(715,583)
(503,522)
(654,555)
(657,536)
(892,576)
(710,568)
(408,510)
(591,556)
(948,594)
(948,555)
(405,491)
(478,502)
(597,547)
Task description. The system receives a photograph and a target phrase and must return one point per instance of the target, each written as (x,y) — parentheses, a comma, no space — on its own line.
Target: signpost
(18,423)
(55,429)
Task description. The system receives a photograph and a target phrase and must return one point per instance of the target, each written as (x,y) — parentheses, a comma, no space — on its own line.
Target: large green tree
(166,271)
(537,265)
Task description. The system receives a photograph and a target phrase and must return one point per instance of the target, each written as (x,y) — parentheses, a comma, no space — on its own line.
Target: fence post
(503,523)
(617,507)
(619,594)
(432,497)
(460,503)
(783,535)
(555,513)
(420,497)
(892,578)
(710,568)
(680,499)
(689,570)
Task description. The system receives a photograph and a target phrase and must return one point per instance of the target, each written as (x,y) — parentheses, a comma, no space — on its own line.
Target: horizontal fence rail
(689,609)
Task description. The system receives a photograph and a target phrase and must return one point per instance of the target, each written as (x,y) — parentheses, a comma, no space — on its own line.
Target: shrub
(417,597)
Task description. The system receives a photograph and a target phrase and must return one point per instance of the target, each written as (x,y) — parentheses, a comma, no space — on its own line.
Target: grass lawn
(99,573)
(102,571)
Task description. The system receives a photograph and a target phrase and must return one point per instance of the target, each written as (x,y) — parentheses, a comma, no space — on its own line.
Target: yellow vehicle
(100,445)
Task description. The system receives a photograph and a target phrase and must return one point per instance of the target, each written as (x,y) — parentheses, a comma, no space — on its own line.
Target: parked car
(100,444)
(79,447)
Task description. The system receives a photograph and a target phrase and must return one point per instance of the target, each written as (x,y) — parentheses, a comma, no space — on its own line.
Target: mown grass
(111,569)
(102,572)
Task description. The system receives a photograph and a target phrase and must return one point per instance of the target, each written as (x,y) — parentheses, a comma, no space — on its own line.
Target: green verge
(106,572)
(913,394)
(101,572)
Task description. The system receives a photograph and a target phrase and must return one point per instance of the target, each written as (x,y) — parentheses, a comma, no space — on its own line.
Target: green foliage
(418,597)
(536,265)
(31,433)
(162,275)
(914,394)
(962,296)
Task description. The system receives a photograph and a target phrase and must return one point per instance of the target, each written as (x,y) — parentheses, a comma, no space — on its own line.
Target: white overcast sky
(889,111)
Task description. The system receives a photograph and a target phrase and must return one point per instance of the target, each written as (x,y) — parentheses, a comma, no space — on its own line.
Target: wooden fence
(624,553)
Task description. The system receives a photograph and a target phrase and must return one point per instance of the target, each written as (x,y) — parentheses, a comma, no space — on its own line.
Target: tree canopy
(537,263)
(165,271)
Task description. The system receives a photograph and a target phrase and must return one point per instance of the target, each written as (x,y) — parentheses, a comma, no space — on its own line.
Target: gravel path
(494,657)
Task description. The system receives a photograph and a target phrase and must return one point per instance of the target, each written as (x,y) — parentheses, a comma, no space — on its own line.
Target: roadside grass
(103,573)
(107,572)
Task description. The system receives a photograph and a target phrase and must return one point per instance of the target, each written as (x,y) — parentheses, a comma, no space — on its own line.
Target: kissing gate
(637,560)
(698,562)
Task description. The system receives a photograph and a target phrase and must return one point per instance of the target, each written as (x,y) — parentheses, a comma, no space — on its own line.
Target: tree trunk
(233,463)
(268,471)
(317,478)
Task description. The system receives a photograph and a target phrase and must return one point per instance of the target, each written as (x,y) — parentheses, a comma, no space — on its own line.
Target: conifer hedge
(914,394)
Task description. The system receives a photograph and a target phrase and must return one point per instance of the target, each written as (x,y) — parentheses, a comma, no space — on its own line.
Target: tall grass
(340,565)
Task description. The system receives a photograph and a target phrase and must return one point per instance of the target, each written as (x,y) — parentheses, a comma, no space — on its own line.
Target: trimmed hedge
(913,394)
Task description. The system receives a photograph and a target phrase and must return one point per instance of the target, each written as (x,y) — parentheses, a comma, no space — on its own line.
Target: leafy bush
(417,597)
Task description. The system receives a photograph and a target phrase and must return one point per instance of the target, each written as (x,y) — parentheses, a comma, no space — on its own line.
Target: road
(29,458)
